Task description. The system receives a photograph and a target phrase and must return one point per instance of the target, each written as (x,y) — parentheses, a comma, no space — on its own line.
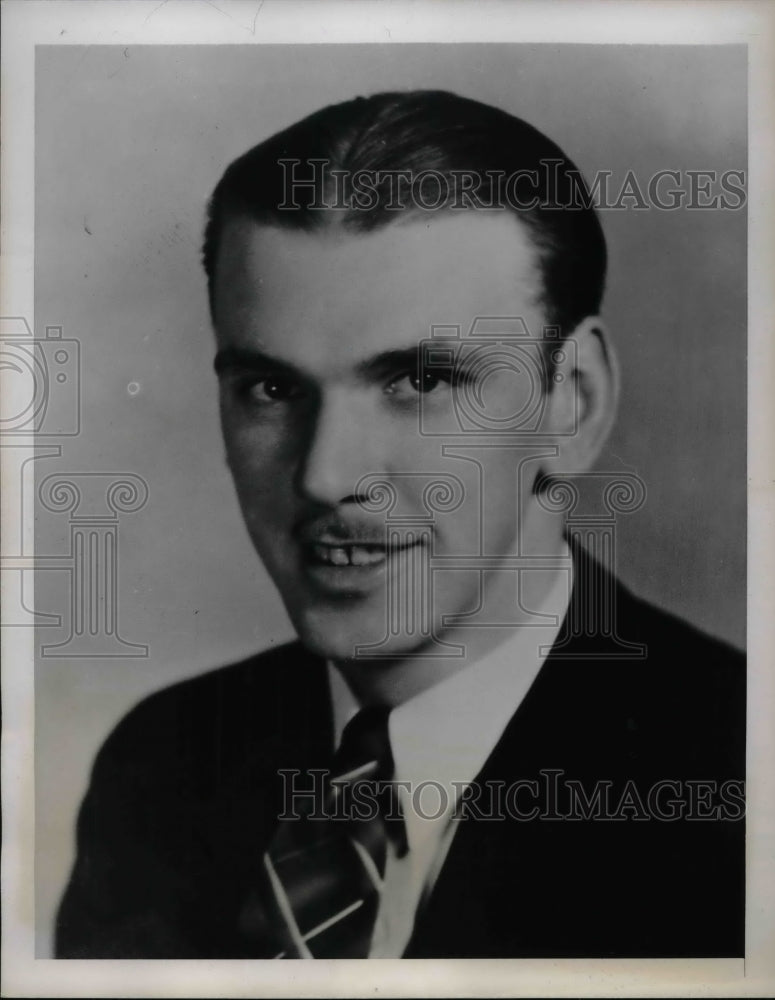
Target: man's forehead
(466,244)
(370,290)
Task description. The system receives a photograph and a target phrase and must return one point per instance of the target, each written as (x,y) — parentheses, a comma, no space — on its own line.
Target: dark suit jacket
(185,792)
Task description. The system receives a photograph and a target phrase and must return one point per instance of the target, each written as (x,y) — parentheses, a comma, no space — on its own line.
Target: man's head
(422,134)
(334,394)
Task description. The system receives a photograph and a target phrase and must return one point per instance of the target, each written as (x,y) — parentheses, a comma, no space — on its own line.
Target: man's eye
(274,388)
(418,383)
(424,381)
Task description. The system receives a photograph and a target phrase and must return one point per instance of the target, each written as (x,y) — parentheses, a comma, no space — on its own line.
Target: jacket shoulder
(699,674)
(666,630)
(632,682)
(194,723)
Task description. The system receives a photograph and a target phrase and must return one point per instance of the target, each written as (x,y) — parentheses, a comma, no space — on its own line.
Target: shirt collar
(441,738)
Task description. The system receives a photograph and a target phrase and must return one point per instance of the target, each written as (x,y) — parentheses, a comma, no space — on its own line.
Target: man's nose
(342,447)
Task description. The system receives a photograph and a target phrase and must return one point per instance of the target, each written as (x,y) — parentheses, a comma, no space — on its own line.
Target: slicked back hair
(415,132)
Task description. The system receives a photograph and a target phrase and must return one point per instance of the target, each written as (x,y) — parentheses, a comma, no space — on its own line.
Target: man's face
(318,339)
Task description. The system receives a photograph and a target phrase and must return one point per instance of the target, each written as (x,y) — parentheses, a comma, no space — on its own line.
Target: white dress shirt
(440,739)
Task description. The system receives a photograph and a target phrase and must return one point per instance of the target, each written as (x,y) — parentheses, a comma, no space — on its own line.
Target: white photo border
(28,23)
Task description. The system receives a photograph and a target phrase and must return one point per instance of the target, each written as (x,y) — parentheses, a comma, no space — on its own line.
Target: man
(481,745)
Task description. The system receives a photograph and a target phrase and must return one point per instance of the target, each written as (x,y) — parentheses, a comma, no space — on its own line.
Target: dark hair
(420,132)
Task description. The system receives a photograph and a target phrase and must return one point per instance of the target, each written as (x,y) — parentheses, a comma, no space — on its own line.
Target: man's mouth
(342,558)
(354,553)
(348,555)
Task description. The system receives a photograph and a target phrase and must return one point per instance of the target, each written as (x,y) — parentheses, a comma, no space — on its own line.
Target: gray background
(129,143)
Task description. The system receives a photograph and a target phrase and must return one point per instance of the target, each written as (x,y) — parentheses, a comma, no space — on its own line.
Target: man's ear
(582,398)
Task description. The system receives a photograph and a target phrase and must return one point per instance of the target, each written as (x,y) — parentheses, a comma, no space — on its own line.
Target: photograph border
(28,23)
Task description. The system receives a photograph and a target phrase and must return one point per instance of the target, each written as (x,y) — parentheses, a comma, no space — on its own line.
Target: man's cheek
(257,470)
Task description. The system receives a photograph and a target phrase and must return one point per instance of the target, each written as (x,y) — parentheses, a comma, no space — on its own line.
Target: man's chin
(354,639)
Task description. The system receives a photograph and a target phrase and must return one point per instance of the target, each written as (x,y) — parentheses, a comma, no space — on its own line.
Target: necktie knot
(364,755)
(364,750)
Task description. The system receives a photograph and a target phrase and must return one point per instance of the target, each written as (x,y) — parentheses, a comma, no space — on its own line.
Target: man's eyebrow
(239,359)
(386,362)
(402,359)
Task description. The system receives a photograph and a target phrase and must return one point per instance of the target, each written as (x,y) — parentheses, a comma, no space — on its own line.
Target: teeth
(350,555)
(362,556)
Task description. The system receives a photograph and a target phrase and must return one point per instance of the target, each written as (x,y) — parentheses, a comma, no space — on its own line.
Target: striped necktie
(323,875)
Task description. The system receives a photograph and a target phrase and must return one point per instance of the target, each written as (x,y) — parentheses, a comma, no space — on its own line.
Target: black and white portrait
(390,499)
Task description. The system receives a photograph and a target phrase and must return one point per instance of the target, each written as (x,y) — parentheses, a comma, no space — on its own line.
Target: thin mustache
(338,531)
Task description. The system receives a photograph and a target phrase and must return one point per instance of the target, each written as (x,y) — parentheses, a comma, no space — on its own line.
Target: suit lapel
(496,874)
(489,858)
(303,728)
